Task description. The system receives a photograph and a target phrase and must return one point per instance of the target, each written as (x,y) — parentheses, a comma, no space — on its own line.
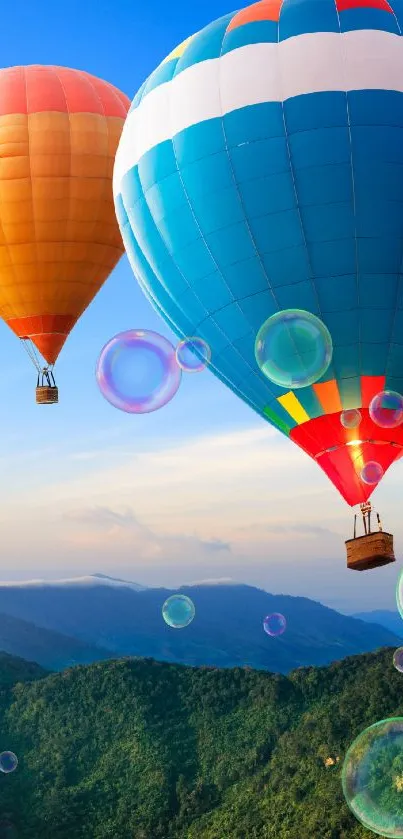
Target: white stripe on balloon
(256,73)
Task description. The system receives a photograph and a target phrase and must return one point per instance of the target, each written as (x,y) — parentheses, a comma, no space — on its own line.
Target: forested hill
(135,749)
(14,669)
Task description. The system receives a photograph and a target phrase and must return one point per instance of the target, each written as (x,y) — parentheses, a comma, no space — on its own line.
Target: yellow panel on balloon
(293,406)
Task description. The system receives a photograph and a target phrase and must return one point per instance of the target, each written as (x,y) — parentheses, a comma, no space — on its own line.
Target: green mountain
(13,670)
(136,749)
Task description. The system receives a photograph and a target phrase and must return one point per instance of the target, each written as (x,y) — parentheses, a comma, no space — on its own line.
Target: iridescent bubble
(293,348)
(193,355)
(8,762)
(274,624)
(399,594)
(372,778)
(350,418)
(178,611)
(386,409)
(137,371)
(371,473)
(398,659)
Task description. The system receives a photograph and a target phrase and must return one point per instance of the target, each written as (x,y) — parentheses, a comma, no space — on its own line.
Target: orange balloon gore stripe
(28,90)
(47,332)
(264,10)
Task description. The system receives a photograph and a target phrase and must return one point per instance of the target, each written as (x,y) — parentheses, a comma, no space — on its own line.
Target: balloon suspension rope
(44,371)
(366,510)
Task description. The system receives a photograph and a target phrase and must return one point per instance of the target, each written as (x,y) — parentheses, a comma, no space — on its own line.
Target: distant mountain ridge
(118,620)
(47,648)
(390,620)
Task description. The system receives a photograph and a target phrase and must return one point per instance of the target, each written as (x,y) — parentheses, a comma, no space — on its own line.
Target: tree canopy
(138,749)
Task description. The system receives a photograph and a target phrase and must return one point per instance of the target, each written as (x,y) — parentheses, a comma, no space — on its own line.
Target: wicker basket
(46,395)
(370,551)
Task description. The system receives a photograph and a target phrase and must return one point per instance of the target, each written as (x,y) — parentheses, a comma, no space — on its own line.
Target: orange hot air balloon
(59,239)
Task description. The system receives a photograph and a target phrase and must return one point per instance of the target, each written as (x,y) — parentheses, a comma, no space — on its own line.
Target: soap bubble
(372,778)
(398,659)
(371,473)
(178,611)
(137,371)
(386,409)
(274,624)
(399,594)
(293,348)
(350,418)
(8,762)
(193,355)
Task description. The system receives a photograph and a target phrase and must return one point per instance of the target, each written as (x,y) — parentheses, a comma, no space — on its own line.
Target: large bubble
(372,778)
(293,348)
(399,594)
(350,418)
(8,762)
(193,355)
(274,624)
(371,473)
(386,409)
(137,371)
(178,611)
(398,659)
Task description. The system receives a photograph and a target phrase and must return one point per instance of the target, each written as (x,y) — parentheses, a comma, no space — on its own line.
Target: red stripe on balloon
(383,445)
(370,386)
(343,5)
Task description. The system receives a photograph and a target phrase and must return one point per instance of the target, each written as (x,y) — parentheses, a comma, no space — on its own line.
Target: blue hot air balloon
(260,169)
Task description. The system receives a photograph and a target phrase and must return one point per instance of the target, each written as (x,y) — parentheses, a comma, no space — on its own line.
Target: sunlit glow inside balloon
(372,778)
(274,624)
(398,659)
(371,473)
(137,371)
(293,348)
(8,762)
(350,418)
(386,409)
(193,355)
(178,611)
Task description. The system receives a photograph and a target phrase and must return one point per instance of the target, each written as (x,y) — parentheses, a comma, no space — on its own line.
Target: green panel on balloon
(276,421)
(350,392)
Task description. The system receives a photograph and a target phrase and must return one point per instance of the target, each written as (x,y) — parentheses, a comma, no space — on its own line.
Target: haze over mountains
(74,582)
(96,617)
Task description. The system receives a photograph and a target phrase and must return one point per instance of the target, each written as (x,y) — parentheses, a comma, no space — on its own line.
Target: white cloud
(195,495)
(247,504)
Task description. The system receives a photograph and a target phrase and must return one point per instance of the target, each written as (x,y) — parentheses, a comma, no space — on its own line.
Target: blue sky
(201,489)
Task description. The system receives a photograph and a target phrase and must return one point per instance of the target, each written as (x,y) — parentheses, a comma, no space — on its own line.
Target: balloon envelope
(59,130)
(261,169)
